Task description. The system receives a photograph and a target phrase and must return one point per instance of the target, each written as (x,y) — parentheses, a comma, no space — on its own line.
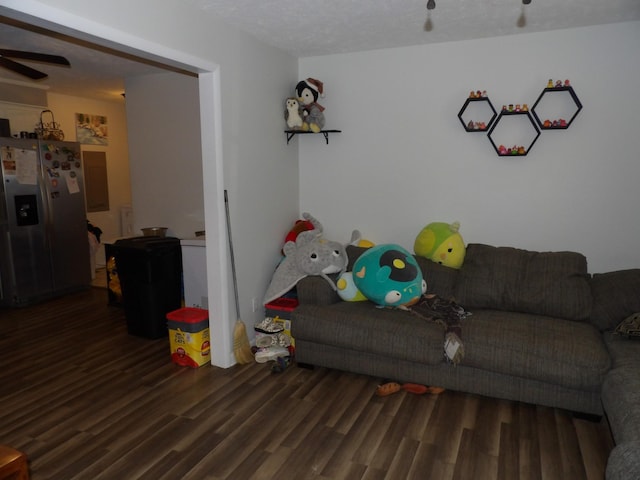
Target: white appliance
(194,272)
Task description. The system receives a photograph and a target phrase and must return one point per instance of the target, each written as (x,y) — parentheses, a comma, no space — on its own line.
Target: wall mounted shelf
(517,125)
(554,106)
(292,133)
(477,114)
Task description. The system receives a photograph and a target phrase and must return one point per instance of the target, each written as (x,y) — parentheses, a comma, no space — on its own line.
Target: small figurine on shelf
(521,150)
(558,83)
(502,150)
(550,83)
(567,83)
(525,107)
(517,107)
(563,123)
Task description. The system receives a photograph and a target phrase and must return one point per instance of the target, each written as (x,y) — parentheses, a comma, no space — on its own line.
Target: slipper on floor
(435,390)
(415,388)
(387,389)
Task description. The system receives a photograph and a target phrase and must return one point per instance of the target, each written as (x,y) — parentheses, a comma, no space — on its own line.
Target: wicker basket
(49,130)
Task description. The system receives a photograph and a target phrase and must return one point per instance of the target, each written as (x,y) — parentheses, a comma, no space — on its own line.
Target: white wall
(404,159)
(165,153)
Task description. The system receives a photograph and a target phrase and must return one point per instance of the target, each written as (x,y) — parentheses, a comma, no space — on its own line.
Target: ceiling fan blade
(38,57)
(22,69)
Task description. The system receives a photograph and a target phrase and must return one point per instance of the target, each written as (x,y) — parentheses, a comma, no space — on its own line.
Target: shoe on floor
(415,388)
(387,389)
(268,326)
(267,354)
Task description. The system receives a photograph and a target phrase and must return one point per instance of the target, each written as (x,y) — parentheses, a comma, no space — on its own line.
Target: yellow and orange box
(189,336)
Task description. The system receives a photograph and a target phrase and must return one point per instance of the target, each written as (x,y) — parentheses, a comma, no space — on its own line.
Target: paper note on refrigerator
(26,166)
(72,182)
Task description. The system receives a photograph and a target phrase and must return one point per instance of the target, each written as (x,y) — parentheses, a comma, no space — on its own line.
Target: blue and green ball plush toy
(389,276)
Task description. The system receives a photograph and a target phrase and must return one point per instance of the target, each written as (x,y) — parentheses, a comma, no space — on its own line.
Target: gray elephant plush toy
(310,254)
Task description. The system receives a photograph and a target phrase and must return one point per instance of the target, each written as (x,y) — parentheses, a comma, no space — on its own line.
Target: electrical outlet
(254,304)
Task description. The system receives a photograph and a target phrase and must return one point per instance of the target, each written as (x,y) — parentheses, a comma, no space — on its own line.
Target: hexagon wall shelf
(514,131)
(513,126)
(477,114)
(554,106)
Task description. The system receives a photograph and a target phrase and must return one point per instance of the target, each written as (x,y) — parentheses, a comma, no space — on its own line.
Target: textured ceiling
(319,27)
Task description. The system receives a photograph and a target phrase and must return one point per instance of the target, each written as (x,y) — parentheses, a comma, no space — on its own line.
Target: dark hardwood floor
(84,400)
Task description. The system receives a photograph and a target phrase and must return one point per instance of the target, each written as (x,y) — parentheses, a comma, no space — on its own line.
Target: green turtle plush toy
(440,242)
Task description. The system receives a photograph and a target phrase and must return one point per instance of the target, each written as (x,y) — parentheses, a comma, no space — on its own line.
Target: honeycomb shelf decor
(477,114)
(555,105)
(517,128)
(510,126)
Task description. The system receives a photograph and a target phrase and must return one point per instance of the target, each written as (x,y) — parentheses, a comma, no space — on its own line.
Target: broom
(241,346)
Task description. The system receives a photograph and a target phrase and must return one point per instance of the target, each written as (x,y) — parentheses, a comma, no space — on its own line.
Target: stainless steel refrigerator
(44,247)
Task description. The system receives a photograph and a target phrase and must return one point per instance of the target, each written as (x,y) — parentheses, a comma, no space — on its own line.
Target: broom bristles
(241,346)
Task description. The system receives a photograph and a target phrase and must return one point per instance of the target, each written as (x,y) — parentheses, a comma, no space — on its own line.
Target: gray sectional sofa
(540,331)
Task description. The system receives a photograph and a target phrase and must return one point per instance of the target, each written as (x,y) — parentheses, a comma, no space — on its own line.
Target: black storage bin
(150,272)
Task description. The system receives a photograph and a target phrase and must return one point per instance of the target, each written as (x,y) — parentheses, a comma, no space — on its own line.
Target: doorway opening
(85,32)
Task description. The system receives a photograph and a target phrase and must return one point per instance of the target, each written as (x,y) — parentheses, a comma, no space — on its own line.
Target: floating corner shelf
(292,133)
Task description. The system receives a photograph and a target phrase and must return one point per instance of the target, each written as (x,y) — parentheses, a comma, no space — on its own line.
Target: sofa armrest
(315,290)
(624,462)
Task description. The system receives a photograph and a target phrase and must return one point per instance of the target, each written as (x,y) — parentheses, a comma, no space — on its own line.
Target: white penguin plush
(293,114)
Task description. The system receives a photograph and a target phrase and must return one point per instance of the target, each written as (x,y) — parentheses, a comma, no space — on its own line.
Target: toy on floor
(312,112)
(390,388)
(389,276)
(441,243)
(310,254)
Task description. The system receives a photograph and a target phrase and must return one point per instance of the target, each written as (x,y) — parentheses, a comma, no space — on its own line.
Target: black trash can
(150,272)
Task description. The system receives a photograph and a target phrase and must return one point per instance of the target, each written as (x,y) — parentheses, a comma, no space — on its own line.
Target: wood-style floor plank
(85,400)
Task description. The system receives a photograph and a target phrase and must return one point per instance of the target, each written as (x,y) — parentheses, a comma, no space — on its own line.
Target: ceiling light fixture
(431,4)
(522,19)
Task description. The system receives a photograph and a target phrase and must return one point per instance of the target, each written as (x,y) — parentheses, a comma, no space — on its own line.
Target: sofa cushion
(440,279)
(616,295)
(547,349)
(555,284)
(362,326)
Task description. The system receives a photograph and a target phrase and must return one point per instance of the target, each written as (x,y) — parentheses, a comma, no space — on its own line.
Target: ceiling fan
(6,62)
